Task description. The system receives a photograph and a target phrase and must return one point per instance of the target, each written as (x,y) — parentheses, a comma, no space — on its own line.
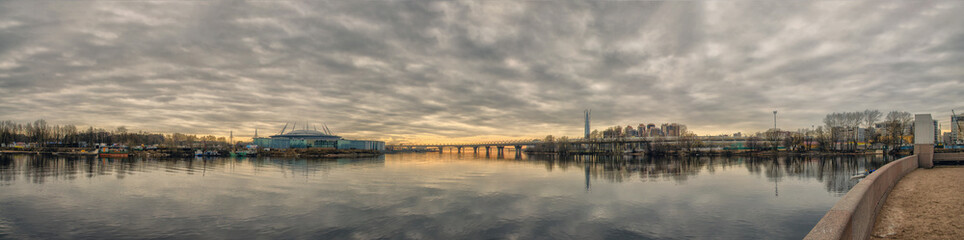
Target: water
(421,196)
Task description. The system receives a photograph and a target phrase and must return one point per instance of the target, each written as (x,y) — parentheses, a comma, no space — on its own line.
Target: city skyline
(429,71)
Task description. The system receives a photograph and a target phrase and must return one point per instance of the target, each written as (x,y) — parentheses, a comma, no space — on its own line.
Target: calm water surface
(421,196)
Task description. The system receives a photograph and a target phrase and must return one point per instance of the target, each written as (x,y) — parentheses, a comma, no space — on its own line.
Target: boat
(242,153)
(113,152)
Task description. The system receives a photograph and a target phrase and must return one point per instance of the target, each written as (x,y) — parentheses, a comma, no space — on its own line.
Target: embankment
(853,216)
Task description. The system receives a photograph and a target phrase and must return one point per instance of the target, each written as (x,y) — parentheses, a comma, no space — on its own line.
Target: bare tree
(689,141)
(871,117)
(773,138)
(854,119)
(834,124)
(895,122)
(794,142)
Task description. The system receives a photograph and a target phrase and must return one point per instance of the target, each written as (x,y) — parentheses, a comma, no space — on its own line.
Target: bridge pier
(500,148)
(460,149)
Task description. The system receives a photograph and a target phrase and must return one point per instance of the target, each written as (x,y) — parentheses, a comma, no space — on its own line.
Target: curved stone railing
(853,216)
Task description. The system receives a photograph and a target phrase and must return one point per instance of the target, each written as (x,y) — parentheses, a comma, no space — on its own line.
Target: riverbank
(925,204)
(725,153)
(190,152)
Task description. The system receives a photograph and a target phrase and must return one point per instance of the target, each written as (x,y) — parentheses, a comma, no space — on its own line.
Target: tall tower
(587,123)
(774,120)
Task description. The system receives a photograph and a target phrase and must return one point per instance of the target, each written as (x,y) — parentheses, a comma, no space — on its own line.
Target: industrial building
(307,138)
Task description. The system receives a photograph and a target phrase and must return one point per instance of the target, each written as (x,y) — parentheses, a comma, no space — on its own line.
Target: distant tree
(753,143)
(595,134)
(689,141)
(871,117)
(773,137)
(794,142)
(895,123)
(833,122)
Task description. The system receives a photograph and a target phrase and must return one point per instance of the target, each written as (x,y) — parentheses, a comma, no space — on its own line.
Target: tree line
(840,132)
(42,134)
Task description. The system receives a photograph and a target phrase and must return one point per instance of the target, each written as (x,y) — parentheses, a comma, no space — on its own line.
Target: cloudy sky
(444,70)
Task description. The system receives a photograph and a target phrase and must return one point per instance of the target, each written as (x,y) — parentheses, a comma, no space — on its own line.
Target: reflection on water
(436,196)
(834,171)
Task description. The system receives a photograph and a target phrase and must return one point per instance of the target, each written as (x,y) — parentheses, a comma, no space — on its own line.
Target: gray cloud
(473,69)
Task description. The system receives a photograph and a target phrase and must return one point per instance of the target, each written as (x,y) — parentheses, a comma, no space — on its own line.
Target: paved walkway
(925,204)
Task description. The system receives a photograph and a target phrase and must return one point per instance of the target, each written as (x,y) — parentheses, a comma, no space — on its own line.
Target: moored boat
(113,152)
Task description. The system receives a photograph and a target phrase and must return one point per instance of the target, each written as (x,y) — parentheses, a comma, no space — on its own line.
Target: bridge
(596,143)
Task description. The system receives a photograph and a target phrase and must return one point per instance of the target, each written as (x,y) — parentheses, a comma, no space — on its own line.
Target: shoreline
(727,153)
(177,152)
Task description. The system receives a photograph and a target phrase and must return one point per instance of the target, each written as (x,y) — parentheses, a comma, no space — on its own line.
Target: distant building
(848,133)
(653,130)
(315,139)
(673,129)
(957,122)
(937,131)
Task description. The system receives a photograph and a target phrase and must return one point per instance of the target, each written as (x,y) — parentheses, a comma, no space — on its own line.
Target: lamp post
(774,120)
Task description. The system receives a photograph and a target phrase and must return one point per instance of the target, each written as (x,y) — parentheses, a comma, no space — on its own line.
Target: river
(422,196)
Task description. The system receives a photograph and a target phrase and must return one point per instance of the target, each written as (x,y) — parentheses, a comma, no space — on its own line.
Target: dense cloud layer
(418,70)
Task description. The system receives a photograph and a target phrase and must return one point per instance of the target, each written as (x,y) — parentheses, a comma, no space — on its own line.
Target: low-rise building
(315,139)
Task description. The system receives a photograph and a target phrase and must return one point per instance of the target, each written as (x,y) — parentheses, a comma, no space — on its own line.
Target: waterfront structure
(855,215)
(957,122)
(307,138)
(935,129)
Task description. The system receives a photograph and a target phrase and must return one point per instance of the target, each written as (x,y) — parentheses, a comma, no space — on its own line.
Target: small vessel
(113,152)
(242,153)
(863,175)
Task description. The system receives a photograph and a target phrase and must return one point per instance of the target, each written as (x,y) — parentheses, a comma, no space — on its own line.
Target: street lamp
(774,120)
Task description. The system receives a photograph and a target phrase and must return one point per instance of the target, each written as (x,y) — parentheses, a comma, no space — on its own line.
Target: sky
(432,71)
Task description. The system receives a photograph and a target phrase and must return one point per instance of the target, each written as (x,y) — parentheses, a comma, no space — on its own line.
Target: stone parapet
(853,216)
(925,155)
